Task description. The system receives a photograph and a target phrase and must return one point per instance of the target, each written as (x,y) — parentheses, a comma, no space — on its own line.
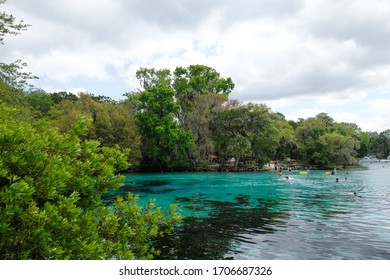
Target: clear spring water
(261,215)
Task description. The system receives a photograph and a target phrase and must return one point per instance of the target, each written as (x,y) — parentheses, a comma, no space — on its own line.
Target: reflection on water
(211,236)
(263,216)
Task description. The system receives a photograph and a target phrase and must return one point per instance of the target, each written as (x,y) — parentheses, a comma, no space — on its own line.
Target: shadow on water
(212,236)
(142,189)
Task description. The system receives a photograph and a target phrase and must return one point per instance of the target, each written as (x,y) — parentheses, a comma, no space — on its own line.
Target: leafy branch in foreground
(9,26)
(51,186)
(12,74)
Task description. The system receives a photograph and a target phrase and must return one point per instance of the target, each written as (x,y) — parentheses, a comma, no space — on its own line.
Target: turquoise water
(261,215)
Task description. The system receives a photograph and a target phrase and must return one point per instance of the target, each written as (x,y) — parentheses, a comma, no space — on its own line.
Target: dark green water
(263,216)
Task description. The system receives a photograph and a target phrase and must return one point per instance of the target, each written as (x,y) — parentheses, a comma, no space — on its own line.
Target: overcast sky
(300,58)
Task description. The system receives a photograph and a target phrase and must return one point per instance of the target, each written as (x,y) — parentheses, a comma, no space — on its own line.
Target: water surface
(261,215)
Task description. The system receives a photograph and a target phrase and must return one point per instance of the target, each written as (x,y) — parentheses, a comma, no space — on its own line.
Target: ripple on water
(263,216)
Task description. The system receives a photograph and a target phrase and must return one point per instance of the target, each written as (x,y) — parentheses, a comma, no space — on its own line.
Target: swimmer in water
(354,193)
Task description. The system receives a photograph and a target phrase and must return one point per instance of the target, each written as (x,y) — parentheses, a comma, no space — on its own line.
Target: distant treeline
(184,120)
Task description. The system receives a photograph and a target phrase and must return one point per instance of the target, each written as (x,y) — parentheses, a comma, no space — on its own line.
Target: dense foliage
(51,185)
(59,153)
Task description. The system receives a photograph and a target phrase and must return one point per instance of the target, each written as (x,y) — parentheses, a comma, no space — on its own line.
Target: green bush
(51,185)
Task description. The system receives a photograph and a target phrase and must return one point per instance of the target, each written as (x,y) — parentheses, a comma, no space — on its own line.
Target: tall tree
(165,144)
(288,144)
(252,121)
(197,80)
(200,117)
(200,79)
(239,147)
(198,93)
(264,135)
(150,77)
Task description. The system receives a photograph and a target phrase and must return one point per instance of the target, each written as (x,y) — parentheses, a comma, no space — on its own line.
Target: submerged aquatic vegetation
(211,236)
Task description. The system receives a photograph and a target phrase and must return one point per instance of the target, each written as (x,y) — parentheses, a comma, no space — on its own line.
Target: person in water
(337,180)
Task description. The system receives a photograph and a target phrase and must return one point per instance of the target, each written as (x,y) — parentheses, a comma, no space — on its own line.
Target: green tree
(197,80)
(151,78)
(288,144)
(336,149)
(384,144)
(165,144)
(326,119)
(51,187)
(239,147)
(325,142)
(57,97)
(364,139)
(11,74)
(40,101)
(11,95)
(264,134)
(202,113)
(253,121)
(199,91)
(8,25)
(307,134)
(124,131)
(112,123)
(228,123)
(373,142)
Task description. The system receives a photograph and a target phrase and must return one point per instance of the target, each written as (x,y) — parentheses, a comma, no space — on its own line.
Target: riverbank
(270,166)
(251,166)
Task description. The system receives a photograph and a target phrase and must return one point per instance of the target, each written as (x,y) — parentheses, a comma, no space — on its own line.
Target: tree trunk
(236,164)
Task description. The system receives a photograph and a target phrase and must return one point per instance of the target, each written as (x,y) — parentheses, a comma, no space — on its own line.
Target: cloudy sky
(298,57)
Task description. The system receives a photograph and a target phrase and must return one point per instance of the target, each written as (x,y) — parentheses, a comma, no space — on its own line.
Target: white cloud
(298,57)
(378,114)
